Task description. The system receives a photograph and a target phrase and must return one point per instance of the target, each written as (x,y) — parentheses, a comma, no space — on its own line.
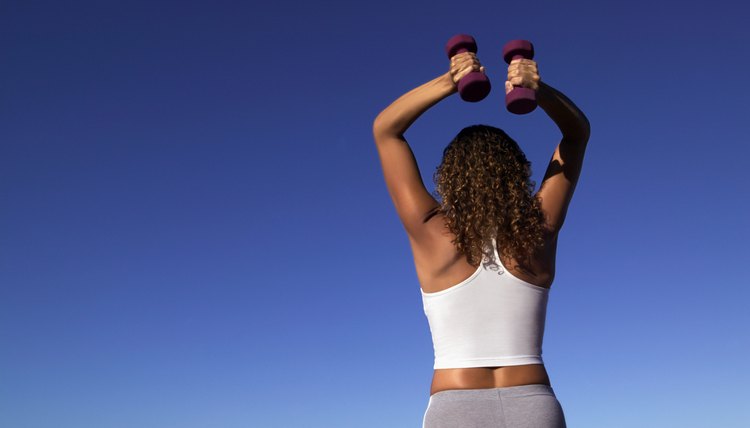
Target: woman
(484,254)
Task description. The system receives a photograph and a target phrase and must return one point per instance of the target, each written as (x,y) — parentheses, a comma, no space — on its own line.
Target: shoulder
(433,250)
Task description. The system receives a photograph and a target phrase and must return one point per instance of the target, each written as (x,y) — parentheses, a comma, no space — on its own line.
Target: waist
(488,377)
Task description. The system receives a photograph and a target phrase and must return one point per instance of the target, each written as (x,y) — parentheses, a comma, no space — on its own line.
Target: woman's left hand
(522,72)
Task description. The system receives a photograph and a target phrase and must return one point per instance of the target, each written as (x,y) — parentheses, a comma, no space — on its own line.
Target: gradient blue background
(195,230)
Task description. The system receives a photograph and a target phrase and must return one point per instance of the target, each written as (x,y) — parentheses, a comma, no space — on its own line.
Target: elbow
(377,125)
(381,126)
(586,128)
(579,132)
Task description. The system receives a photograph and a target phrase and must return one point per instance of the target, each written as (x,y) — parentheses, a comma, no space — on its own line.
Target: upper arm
(560,180)
(412,200)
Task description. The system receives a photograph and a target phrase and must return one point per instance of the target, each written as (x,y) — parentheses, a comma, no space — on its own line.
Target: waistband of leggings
(490,393)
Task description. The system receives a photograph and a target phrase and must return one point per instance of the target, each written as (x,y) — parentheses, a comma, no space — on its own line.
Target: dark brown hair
(485,188)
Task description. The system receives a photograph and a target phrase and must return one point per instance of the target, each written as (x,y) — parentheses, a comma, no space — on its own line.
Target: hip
(533,405)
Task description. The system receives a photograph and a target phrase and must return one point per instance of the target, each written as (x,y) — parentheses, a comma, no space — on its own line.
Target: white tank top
(492,318)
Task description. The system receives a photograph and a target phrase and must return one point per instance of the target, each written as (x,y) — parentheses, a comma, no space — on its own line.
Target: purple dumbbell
(520,100)
(475,85)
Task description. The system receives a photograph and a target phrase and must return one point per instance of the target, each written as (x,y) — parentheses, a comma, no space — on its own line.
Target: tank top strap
(494,247)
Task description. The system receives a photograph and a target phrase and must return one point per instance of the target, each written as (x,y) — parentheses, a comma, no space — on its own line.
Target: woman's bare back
(439,266)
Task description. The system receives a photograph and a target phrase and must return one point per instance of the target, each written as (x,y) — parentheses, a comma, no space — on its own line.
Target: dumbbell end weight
(521,100)
(518,49)
(474,87)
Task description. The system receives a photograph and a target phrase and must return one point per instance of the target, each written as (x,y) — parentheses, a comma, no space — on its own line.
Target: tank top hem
(489,362)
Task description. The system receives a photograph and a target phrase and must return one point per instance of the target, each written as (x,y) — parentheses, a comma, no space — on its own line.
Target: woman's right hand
(463,64)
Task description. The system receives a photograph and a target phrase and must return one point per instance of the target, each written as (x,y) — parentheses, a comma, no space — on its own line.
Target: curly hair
(485,188)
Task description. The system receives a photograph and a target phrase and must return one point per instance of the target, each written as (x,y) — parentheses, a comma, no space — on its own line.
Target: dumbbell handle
(520,100)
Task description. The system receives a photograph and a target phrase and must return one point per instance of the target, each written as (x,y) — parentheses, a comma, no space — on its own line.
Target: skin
(438,264)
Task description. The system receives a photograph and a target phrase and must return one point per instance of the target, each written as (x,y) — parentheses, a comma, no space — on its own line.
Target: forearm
(569,118)
(397,117)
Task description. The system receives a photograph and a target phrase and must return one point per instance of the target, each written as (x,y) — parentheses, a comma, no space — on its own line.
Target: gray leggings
(523,406)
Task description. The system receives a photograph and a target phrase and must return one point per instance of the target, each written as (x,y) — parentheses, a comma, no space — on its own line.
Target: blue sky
(195,230)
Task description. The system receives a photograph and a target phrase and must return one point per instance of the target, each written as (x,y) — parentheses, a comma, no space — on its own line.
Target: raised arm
(402,177)
(562,173)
